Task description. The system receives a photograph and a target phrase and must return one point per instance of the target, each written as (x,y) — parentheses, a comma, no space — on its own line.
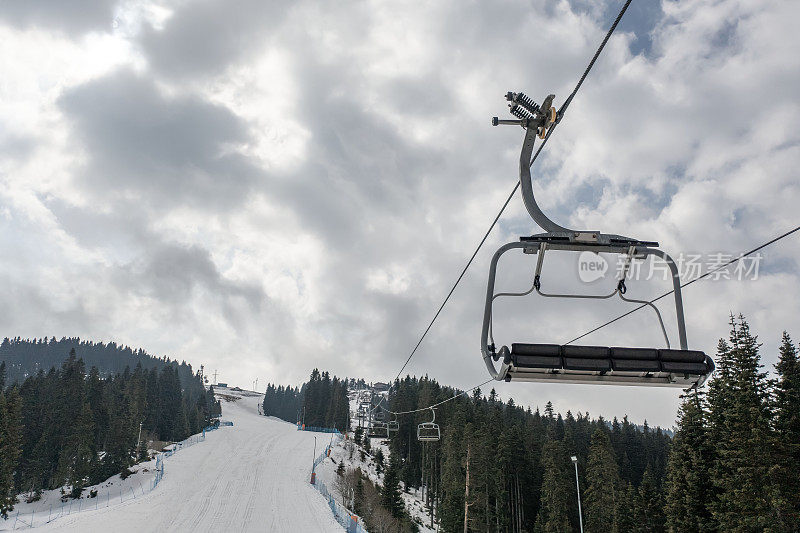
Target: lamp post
(139,438)
(313,465)
(578,489)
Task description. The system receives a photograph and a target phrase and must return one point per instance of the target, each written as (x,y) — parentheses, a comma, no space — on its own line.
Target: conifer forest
(72,427)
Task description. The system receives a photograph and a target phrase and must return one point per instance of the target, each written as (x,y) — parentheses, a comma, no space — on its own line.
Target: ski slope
(253,476)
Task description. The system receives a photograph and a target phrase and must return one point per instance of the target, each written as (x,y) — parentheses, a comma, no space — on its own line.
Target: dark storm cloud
(164,150)
(172,272)
(201,38)
(73,17)
(33,305)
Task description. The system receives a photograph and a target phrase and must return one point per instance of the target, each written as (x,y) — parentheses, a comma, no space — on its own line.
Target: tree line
(25,357)
(501,467)
(321,402)
(282,402)
(66,428)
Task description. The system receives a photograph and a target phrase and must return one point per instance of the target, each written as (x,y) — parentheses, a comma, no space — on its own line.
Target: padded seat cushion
(549,350)
(635,353)
(587,352)
(636,365)
(536,361)
(578,363)
(682,356)
(685,368)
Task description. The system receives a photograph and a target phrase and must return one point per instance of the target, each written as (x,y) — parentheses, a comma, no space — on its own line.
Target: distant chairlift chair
(428,431)
(582,364)
(378,430)
(393,426)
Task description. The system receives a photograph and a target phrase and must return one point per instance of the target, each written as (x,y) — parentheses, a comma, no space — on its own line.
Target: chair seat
(615,365)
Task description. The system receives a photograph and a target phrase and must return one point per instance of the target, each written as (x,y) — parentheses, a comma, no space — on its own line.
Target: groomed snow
(253,476)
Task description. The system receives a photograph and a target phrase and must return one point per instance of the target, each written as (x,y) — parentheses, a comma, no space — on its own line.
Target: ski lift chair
(378,429)
(666,367)
(428,431)
(393,426)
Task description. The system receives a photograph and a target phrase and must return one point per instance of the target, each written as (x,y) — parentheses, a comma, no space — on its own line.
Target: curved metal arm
(526,181)
(487,315)
(676,290)
(654,308)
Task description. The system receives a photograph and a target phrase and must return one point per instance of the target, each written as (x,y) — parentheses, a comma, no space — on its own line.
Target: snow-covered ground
(253,476)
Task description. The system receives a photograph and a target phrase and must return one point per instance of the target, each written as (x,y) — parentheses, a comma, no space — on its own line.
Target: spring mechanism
(519,112)
(523,100)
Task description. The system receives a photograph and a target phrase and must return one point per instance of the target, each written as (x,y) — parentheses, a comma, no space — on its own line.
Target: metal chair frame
(535,121)
(429,431)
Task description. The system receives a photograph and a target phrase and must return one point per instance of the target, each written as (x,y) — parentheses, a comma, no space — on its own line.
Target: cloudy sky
(267,187)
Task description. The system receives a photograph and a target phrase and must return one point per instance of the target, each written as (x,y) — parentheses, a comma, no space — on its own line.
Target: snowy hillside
(341,452)
(253,476)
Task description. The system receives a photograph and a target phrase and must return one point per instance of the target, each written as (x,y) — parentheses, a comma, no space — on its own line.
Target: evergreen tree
(358,493)
(391,497)
(741,434)
(786,471)
(626,509)
(78,456)
(555,493)
(688,483)
(379,458)
(10,447)
(649,506)
(602,485)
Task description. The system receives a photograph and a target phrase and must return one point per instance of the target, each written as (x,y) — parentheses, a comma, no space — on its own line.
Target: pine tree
(786,472)
(649,505)
(688,484)
(358,493)
(391,497)
(741,434)
(626,509)
(602,480)
(77,457)
(553,510)
(10,447)
(379,458)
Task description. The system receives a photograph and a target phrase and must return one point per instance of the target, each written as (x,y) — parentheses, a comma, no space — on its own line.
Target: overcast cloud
(265,188)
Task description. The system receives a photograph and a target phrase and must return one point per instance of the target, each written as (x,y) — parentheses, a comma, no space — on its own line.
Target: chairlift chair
(363,413)
(429,431)
(378,429)
(393,426)
(571,363)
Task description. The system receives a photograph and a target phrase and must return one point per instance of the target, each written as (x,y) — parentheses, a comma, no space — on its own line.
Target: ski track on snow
(253,476)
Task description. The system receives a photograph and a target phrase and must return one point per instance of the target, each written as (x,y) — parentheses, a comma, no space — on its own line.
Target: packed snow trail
(253,476)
